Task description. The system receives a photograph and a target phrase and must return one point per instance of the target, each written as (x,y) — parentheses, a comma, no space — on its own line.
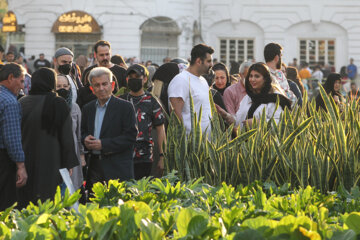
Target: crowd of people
(107,120)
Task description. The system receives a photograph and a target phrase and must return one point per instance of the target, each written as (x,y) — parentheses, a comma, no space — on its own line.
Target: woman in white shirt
(260,94)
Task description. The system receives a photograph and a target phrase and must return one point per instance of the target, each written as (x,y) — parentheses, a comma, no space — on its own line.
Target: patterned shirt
(148,114)
(10,125)
(279,79)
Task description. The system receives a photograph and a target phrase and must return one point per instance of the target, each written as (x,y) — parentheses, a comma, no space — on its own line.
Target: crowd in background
(103,117)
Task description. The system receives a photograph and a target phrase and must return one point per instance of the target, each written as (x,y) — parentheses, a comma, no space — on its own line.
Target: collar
(105,105)
(6,89)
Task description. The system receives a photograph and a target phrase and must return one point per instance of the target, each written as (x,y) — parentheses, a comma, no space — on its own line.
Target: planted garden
(296,179)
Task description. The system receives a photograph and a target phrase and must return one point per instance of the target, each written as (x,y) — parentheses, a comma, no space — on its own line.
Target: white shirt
(318,75)
(180,86)
(245,105)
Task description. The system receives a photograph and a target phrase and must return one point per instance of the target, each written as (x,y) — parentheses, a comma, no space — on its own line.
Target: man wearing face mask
(272,55)
(63,60)
(148,115)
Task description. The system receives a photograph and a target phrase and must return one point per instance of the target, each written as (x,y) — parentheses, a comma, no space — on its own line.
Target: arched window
(159,39)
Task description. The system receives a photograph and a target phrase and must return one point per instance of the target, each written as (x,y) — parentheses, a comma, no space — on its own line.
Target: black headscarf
(264,96)
(329,89)
(166,73)
(55,110)
(222,67)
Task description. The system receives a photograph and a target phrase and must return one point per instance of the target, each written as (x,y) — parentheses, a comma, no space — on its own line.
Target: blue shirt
(352,71)
(99,117)
(10,125)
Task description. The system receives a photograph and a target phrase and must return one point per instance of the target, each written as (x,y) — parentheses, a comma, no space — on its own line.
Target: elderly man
(236,92)
(108,131)
(63,62)
(12,168)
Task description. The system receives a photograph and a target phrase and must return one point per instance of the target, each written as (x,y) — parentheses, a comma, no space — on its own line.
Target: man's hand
(95,145)
(21,175)
(92,143)
(70,172)
(88,140)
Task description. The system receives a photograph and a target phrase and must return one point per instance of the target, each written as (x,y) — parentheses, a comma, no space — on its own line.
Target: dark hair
(234,67)
(330,82)
(1,49)
(222,67)
(101,43)
(271,51)
(11,68)
(8,53)
(117,59)
(264,71)
(329,89)
(200,51)
(343,72)
(293,74)
(264,96)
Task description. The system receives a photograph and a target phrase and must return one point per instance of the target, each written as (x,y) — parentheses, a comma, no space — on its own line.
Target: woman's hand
(225,115)
(248,122)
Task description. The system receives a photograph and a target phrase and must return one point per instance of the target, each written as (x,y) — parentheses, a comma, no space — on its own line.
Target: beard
(278,65)
(105,62)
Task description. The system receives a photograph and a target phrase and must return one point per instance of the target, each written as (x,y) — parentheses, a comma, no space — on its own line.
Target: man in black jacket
(108,131)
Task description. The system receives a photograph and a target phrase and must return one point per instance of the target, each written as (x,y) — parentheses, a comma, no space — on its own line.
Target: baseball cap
(139,69)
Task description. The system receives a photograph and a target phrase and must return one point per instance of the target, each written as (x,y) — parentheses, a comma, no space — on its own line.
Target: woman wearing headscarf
(64,91)
(222,78)
(47,138)
(261,94)
(162,77)
(332,86)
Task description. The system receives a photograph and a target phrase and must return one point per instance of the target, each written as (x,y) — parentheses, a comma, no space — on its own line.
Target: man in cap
(12,168)
(148,115)
(63,63)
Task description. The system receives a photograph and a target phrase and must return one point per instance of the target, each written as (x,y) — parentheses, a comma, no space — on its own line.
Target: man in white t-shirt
(190,80)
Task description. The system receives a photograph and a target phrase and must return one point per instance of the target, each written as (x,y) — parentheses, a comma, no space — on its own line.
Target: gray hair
(245,64)
(98,72)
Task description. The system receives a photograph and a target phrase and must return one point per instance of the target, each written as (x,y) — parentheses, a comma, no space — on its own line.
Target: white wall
(267,20)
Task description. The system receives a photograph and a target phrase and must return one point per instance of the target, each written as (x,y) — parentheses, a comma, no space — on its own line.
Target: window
(315,51)
(159,39)
(236,50)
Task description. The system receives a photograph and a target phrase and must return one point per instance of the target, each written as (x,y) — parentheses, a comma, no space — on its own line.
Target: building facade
(312,31)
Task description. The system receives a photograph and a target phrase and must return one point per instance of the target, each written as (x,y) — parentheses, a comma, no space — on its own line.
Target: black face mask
(64,69)
(135,84)
(62,92)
